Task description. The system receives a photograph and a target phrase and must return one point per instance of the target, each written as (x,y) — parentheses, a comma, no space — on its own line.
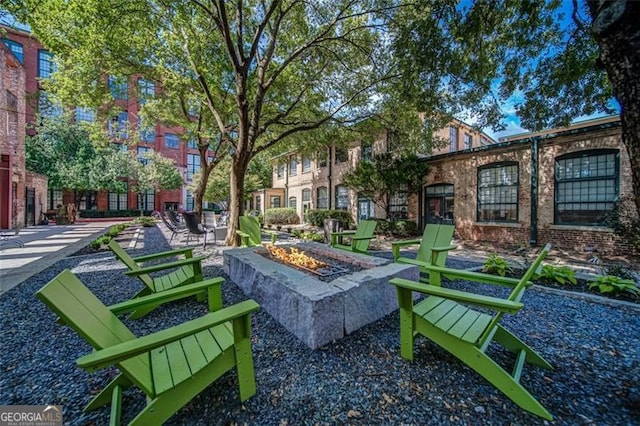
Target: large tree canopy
(259,73)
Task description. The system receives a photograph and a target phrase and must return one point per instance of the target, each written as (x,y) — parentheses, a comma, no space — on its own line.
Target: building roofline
(526,138)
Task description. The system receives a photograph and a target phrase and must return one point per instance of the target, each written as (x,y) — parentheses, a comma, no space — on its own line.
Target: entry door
(5,192)
(30,207)
(439,204)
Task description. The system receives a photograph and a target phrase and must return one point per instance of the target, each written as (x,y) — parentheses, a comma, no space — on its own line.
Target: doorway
(30,207)
(439,205)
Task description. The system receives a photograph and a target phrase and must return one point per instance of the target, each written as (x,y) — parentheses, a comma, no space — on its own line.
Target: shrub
(95,214)
(560,274)
(612,284)
(281,216)
(100,241)
(146,221)
(496,264)
(313,236)
(623,219)
(404,228)
(317,217)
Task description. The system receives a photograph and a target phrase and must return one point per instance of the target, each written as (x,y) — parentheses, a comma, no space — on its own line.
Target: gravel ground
(360,379)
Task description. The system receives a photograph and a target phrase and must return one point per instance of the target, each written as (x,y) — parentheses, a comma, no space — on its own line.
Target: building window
(306,164)
(122,147)
(306,195)
(275,201)
(55,198)
(322,198)
(323,161)
(342,155)
(393,141)
(366,153)
(258,203)
(117,201)
(293,202)
(398,204)
(498,193)
(147,134)
(118,87)
(90,201)
(193,165)
(171,141)
(15,48)
(453,138)
(192,144)
(47,107)
(586,186)
(85,114)
(46,66)
(342,197)
(146,90)
(141,154)
(280,171)
(146,200)
(467,141)
(293,166)
(190,202)
(119,126)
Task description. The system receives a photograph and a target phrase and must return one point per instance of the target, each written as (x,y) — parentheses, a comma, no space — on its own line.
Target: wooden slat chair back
(360,238)
(178,273)
(250,232)
(445,318)
(171,366)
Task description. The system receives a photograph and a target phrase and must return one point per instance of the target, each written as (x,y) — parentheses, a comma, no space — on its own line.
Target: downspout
(329,197)
(533,238)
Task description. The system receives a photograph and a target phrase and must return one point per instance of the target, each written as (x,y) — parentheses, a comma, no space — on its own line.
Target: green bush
(146,221)
(98,214)
(612,284)
(317,217)
(100,241)
(496,264)
(281,216)
(313,236)
(396,228)
(560,274)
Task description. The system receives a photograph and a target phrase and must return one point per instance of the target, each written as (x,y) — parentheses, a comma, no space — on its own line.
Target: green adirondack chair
(444,318)
(434,247)
(360,238)
(251,234)
(181,272)
(171,366)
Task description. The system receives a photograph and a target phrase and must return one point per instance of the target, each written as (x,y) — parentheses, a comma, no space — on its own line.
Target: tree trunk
(616,28)
(236,201)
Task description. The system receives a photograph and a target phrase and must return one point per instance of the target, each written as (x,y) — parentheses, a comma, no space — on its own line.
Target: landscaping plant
(496,264)
(560,274)
(614,285)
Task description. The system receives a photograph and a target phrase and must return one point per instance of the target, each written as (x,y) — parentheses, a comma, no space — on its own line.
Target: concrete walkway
(44,246)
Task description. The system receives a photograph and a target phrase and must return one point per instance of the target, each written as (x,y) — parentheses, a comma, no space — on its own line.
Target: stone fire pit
(318,312)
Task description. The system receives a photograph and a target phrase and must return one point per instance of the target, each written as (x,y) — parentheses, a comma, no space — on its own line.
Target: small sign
(30,415)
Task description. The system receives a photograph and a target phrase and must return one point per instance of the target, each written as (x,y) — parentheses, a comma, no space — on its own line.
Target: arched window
(586,186)
(293,201)
(342,197)
(498,193)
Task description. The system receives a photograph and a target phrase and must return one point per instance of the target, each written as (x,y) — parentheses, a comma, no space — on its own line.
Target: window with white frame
(468,141)
(119,126)
(146,90)
(293,166)
(342,197)
(306,164)
(55,198)
(147,133)
(171,141)
(193,165)
(322,198)
(190,202)
(293,202)
(117,201)
(453,138)
(47,107)
(586,186)
(141,154)
(118,87)
(366,151)
(399,204)
(342,154)
(46,66)
(85,114)
(498,193)
(323,159)
(275,201)
(146,200)
(16,48)
(280,171)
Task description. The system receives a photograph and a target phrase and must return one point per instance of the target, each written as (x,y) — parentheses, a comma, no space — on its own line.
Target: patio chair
(360,238)
(175,230)
(173,217)
(251,234)
(180,272)
(196,228)
(444,318)
(171,366)
(434,247)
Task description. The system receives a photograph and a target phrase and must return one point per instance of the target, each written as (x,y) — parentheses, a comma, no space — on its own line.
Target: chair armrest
(395,246)
(122,351)
(503,305)
(343,233)
(479,277)
(444,248)
(167,296)
(163,266)
(188,252)
(363,238)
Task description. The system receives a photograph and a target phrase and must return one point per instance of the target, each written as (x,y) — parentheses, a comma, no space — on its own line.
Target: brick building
(129,95)
(316,183)
(22,194)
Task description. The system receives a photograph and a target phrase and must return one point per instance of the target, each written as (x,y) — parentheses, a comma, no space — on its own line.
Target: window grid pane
(322,198)
(498,193)
(193,165)
(171,141)
(15,48)
(46,66)
(342,197)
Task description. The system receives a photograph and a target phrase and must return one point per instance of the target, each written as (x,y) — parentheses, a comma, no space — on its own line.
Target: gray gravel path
(360,379)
